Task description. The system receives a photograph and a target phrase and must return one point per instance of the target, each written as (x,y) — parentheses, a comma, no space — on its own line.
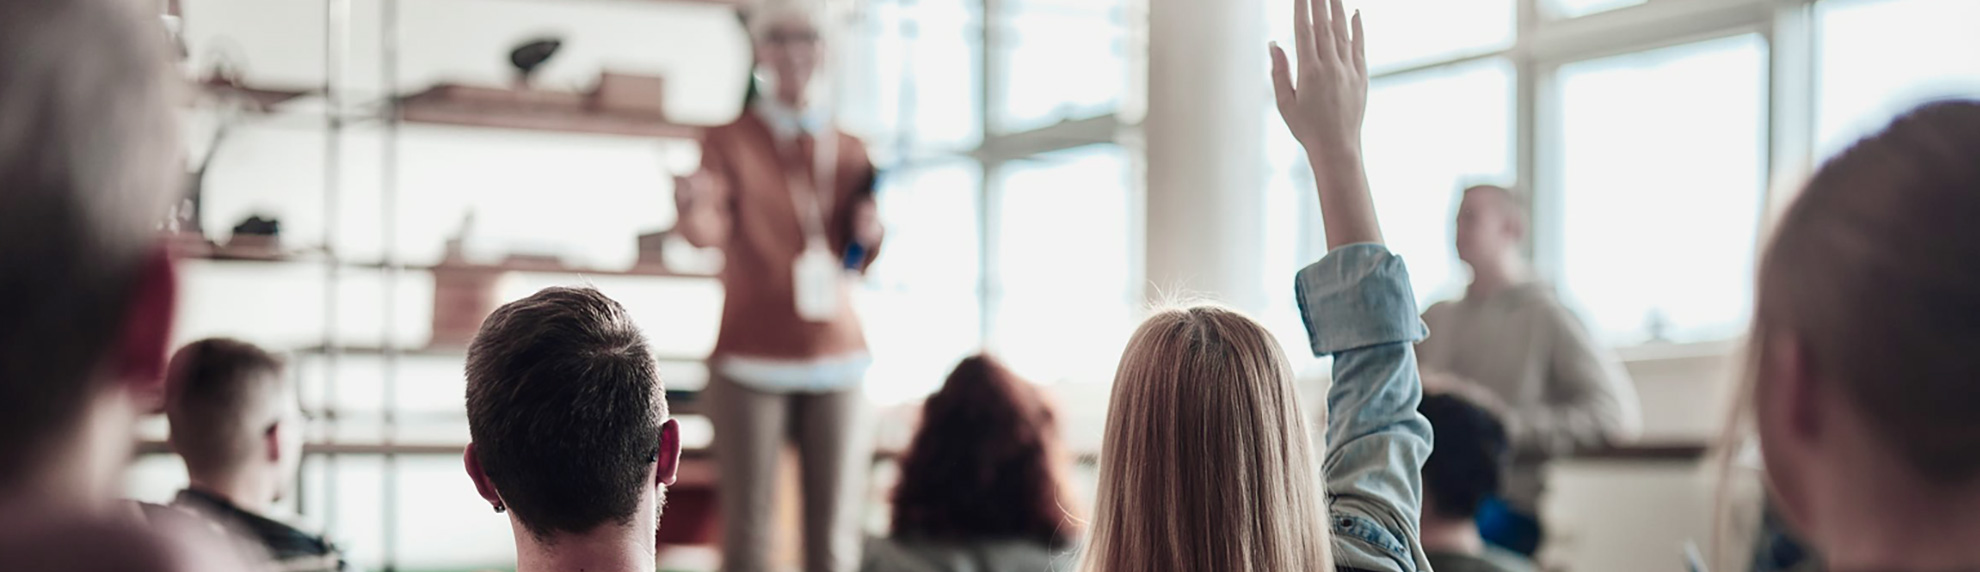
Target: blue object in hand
(855,255)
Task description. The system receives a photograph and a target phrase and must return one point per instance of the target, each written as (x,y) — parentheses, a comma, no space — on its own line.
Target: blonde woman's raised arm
(1323,102)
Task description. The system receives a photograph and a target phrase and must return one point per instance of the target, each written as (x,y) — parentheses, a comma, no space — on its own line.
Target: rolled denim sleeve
(1358,308)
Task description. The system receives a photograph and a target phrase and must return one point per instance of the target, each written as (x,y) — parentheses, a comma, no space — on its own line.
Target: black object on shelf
(529,56)
(258,226)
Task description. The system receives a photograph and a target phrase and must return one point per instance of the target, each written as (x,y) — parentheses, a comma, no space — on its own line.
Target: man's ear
(147,327)
(668,460)
(1787,384)
(480,478)
(271,440)
(1789,417)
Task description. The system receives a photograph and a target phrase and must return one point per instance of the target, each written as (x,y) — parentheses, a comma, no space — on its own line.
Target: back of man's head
(565,407)
(1469,457)
(223,398)
(89,155)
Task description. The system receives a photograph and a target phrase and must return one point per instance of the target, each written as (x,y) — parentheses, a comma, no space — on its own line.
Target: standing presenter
(788,199)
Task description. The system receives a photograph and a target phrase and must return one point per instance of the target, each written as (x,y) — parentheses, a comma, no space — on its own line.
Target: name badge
(815,278)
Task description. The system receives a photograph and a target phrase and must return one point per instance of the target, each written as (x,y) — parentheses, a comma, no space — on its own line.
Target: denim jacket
(1358,308)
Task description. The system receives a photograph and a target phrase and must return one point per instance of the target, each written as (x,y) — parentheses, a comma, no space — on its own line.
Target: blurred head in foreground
(1866,349)
(89,157)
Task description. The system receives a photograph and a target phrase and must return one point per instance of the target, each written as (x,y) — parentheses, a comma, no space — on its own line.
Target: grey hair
(767,13)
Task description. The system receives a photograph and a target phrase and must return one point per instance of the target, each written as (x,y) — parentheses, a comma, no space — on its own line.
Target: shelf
(641,270)
(475,106)
(533,110)
(259,99)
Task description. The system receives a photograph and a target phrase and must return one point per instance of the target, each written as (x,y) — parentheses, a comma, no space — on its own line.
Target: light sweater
(1563,390)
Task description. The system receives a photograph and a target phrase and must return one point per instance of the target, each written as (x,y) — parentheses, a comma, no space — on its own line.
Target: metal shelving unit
(390,114)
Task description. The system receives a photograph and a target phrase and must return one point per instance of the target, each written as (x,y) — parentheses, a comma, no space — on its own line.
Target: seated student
(89,158)
(985,485)
(1866,349)
(570,433)
(236,422)
(1467,465)
(1206,464)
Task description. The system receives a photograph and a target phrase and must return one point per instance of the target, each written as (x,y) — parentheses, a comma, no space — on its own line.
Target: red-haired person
(985,485)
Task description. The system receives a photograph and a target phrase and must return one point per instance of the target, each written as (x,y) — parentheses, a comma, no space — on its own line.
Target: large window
(1646,131)
(1878,59)
(1578,8)
(1064,304)
(921,306)
(1059,60)
(1413,32)
(1429,134)
(996,241)
(911,77)
(1658,181)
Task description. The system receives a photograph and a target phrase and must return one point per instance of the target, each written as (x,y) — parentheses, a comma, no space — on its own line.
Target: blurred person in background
(1468,461)
(788,199)
(1510,336)
(985,485)
(570,432)
(89,158)
(1865,353)
(237,423)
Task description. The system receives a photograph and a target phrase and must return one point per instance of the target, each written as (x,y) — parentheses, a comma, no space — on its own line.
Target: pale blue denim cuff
(1356,297)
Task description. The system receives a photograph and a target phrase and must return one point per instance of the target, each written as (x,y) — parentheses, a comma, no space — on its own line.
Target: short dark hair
(89,157)
(219,393)
(1468,461)
(565,405)
(986,463)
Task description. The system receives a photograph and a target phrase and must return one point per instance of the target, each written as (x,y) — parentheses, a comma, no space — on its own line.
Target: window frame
(1543,43)
(997,147)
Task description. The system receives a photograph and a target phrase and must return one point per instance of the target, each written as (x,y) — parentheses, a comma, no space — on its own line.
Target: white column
(1204,142)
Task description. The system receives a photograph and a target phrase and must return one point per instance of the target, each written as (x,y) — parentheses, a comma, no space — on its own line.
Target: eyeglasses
(787,38)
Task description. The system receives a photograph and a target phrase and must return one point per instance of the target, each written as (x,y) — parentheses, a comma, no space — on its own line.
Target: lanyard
(824,170)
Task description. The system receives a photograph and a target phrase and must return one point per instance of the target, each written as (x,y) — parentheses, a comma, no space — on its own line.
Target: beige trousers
(834,454)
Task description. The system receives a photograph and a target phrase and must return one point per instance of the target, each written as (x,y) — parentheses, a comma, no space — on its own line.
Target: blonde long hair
(1207,464)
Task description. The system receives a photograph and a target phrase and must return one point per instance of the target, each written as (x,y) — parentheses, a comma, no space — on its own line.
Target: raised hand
(1323,104)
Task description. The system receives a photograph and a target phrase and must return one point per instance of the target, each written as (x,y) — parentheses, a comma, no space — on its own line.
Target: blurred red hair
(987,463)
